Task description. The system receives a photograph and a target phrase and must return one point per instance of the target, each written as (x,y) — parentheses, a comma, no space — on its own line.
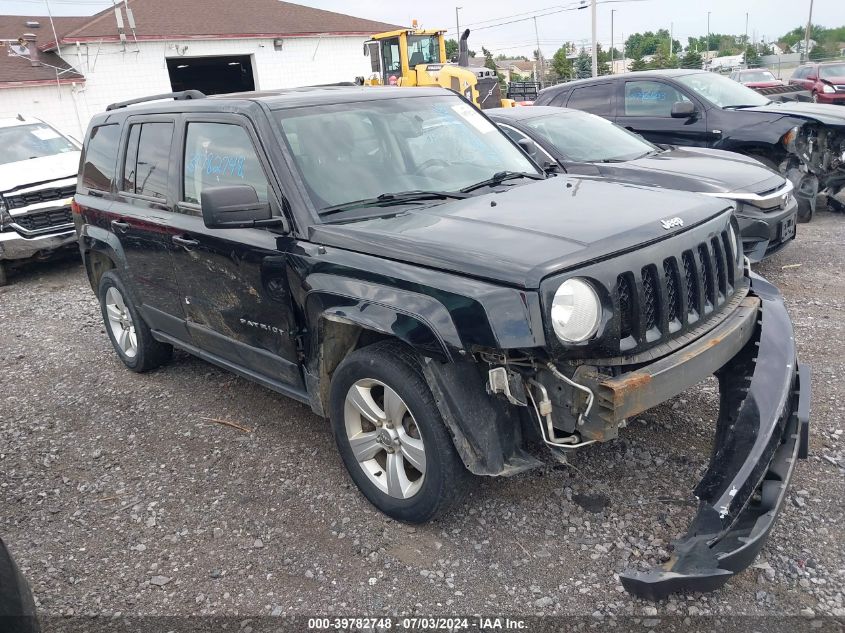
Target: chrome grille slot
(626,306)
(673,295)
(651,301)
(43,220)
(691,280)
(721,276)
(16,201)
(706,276)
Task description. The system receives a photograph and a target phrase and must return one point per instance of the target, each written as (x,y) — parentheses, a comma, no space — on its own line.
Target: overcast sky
(686,17)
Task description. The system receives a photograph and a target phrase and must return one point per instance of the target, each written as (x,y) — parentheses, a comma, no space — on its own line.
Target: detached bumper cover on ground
(761,431)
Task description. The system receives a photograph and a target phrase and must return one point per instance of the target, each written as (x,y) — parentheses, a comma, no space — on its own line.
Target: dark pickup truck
(391,258)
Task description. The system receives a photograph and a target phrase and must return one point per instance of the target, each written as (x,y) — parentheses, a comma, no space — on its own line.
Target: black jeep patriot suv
(389,257)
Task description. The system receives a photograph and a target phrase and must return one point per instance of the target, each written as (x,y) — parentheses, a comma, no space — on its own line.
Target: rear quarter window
(597,99)
(99,157)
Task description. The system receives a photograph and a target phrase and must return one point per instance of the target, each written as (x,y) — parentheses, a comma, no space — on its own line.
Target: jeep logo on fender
(671,223)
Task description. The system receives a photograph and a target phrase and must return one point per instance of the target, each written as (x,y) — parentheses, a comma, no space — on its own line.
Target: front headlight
(828,89)
(788,139)
(576,311)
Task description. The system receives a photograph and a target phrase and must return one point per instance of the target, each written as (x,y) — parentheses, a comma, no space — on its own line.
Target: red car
(756,78)
(825,81)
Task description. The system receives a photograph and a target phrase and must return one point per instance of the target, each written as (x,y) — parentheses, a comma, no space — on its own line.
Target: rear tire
(403,460)
(4,276)
(129,334)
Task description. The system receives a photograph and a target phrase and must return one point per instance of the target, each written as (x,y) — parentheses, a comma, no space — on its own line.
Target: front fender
(418,320)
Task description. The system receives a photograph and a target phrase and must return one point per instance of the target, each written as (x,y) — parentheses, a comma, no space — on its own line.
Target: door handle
(118,225)
(184,241)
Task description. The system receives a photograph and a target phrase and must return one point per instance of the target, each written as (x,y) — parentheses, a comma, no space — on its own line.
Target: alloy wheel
(384,438)
(121,323)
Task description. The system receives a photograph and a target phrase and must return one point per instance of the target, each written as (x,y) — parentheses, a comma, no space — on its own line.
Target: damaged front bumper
(762,429)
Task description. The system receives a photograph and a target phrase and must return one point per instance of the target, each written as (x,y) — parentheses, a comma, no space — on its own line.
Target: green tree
(561,64)
(638,63)
(661,59)
(819,52)
(583,67)
(603,61)
(488,59)
(752,57)
(691,59)
(451,48)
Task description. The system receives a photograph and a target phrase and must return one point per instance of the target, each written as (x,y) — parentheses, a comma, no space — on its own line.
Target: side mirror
(683,109)
(235,207)
(528,146)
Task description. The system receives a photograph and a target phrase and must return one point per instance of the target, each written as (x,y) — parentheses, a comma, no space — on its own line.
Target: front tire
(129,334)
(391,436)
(4,275)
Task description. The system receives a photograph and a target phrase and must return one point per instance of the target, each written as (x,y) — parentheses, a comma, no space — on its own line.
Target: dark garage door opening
(211,75)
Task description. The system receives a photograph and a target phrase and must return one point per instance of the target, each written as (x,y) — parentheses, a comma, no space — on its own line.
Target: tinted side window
(650,98)
(219,154)
(560,99)
(513,134)
(130,162)
(153,159)
(98,166)
(597,99)
(800,72)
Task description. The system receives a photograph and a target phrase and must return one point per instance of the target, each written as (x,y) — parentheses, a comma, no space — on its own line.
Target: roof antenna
(53,26)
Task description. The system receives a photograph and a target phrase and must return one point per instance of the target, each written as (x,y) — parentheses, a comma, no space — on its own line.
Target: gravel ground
(119,494)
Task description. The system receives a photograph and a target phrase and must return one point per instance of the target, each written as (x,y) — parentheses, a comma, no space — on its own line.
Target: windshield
(423,49)
(587,138)
(356,151)
(757,75)
(22,142)
(722,91)
(831,71)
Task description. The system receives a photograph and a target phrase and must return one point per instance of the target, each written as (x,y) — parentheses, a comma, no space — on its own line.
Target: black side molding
(176,96)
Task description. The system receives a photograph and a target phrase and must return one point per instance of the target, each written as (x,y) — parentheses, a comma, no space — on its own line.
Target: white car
(38,168)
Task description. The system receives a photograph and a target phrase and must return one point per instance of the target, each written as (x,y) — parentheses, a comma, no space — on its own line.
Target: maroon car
(826,82)
(756,78)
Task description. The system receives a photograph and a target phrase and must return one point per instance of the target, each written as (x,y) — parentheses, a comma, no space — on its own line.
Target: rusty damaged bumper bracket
(761,431)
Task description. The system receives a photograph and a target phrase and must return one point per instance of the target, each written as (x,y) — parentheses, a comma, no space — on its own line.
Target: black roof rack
(176,96)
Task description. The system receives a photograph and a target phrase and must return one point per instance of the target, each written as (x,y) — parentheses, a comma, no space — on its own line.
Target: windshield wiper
(501,176)
(390,199)
(743,106)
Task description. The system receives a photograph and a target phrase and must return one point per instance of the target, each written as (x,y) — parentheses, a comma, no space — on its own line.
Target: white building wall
(54,104)
(114,75)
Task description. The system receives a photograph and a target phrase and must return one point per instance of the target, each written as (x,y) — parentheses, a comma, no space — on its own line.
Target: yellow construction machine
(417,57)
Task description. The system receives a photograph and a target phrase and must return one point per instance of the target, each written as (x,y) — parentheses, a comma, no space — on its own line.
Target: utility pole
(612,11)
(746,28)
(671,39)
(540,54)
(805,54)
(707,54)
(458,22)
(595,47)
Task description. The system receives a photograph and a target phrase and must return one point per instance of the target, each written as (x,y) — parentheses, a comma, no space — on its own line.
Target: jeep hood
(34,171)
(696,169)
(523,233)
(821,112)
